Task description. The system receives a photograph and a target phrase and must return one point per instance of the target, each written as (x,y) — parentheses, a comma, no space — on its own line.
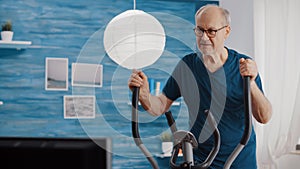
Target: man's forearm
(155,105)
(261,107)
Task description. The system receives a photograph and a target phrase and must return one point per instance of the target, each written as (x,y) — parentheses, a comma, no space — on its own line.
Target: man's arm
(155,105)
(261,107)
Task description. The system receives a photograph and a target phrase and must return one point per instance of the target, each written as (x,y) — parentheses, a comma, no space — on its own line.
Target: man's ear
(227,31)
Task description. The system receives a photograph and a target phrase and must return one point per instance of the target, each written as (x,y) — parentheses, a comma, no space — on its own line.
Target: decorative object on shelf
(7,33)
(155,86)
(167,143)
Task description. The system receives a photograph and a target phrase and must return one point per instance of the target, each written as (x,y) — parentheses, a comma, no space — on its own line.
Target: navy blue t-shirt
(221,92)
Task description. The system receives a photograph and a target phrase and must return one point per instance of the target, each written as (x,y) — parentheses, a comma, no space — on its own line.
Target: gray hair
(224,11)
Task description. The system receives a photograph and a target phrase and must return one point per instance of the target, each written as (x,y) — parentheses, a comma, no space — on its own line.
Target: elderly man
(211,78)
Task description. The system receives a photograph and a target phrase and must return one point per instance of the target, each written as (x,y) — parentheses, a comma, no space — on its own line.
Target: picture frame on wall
(87,75)
(56,74)
(79,106)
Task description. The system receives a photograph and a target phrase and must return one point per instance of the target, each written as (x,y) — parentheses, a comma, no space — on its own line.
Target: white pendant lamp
(134,39)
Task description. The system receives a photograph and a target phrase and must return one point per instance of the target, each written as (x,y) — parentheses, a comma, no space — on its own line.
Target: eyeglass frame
(207,33)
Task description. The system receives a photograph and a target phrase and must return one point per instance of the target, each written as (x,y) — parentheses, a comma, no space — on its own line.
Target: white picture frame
(87,75)
(79,106)
(56,74)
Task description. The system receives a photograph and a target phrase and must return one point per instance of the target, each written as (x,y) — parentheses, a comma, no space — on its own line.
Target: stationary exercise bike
(186,141)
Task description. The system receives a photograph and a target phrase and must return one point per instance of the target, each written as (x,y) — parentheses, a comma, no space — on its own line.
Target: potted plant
(7,33)
(167,143)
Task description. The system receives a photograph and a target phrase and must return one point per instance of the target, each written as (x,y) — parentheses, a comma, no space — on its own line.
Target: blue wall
(73,29)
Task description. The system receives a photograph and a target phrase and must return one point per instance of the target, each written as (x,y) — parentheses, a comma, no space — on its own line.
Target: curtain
(276,44)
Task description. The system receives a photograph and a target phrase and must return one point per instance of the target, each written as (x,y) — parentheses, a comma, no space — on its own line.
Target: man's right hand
(139,79)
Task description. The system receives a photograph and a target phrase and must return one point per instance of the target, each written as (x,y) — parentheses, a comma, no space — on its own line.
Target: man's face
(211,19)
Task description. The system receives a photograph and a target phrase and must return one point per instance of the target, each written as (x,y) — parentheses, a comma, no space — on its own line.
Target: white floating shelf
(14,44)
(175,103)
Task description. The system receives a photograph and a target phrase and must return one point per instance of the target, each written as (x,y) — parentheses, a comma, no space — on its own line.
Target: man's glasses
(211,33)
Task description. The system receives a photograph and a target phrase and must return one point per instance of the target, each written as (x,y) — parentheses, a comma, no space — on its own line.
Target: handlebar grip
(135,128)
(134,116)
(248,111)
(248,124)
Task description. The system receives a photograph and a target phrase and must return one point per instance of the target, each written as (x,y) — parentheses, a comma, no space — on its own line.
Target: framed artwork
(79,106)
(56,74)
(88,75)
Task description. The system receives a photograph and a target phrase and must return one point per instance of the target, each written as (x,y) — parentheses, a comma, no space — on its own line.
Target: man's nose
(204,36)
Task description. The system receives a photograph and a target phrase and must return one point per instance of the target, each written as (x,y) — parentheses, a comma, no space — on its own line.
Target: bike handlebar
(135,129)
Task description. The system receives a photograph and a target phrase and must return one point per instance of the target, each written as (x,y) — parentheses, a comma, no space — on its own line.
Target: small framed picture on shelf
(56,74)
(79,106)
(88,75)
